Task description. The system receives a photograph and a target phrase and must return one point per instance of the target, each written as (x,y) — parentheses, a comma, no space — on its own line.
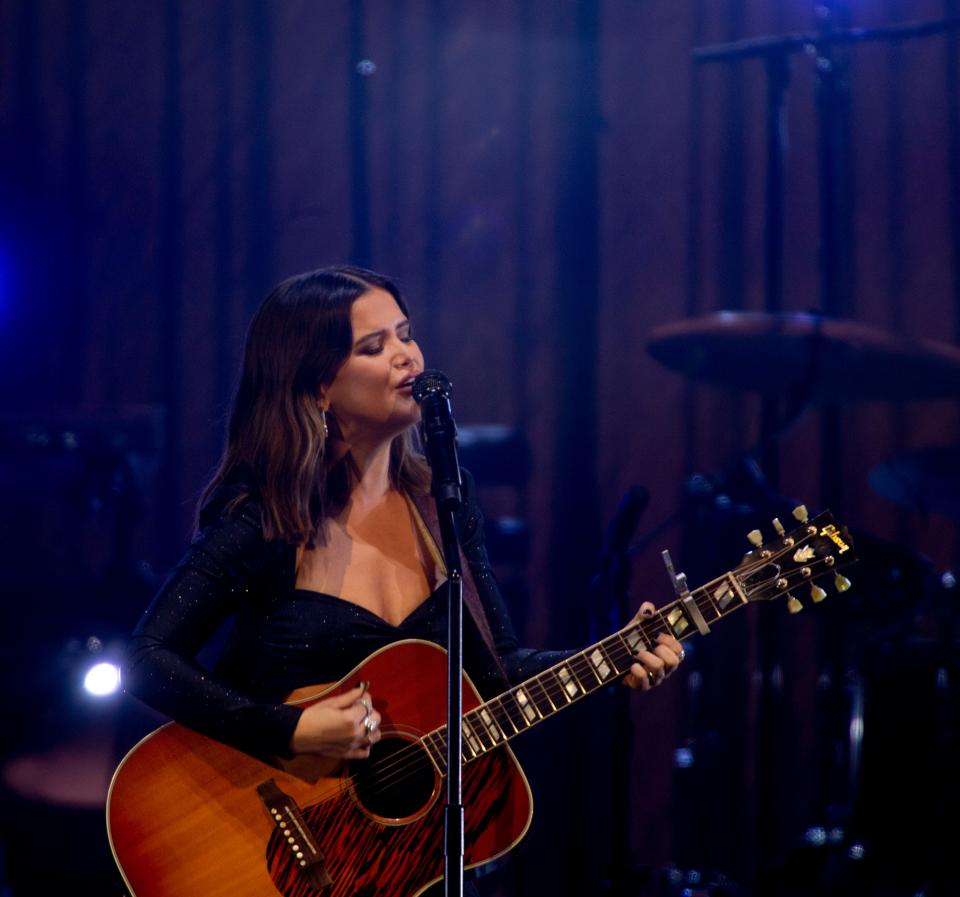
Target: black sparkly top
(284,638)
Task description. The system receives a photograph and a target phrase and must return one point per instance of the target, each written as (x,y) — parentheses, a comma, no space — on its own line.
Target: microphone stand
(453,814)
(432,392)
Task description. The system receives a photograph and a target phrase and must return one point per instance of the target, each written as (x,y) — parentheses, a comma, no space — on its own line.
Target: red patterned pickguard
(367,858)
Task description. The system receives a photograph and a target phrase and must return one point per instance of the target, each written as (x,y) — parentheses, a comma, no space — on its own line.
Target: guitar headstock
(816,549)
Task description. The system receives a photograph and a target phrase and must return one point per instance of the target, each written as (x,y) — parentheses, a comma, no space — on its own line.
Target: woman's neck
(373,473)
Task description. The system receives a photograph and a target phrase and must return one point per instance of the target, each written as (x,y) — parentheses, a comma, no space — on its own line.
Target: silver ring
(369,724)
(682,656)
(651,677)
(365,704)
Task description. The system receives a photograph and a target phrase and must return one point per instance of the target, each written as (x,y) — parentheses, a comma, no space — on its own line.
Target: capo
(682,591)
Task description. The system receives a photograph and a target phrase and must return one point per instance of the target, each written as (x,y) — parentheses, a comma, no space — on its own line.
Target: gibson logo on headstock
(833,534)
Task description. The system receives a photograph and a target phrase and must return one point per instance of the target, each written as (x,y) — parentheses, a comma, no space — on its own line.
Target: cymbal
(823,359)
(926,480)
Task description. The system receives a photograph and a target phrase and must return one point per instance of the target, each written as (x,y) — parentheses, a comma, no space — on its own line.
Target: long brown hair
(276,440)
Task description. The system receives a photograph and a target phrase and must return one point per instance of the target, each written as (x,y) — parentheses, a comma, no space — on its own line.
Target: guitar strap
(425,514)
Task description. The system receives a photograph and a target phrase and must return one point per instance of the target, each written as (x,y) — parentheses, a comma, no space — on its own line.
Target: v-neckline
(428,542)
(371,613)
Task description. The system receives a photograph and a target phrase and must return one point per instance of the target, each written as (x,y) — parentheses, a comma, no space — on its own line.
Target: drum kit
(900,709)
(825,360)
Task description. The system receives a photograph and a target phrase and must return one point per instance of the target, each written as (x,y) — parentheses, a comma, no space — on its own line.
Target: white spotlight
(102,679)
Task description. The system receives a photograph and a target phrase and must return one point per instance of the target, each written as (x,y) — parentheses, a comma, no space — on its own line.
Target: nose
(405,354)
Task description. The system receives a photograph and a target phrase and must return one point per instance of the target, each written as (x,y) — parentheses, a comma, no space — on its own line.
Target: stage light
(683,758)
(102,679)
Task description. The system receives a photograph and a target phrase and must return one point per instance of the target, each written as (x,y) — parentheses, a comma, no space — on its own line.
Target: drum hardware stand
(835,281)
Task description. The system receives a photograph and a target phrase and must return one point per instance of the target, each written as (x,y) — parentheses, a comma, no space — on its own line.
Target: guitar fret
(601,667)
(470,738)
(580,669)
(635,640)
(541,682)
(501,712)
(617,654)
(677,620)
(584,666)
(571,686)
(722,596)
(482,732)
(438,753)
(738,591)
(710,605)
(531,713)
(493,729)
(517,715)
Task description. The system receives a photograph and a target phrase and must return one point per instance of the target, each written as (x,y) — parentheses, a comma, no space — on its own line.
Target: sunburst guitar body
(190,817)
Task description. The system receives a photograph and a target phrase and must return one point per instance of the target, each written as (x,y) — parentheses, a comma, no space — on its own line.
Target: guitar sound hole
(396,781)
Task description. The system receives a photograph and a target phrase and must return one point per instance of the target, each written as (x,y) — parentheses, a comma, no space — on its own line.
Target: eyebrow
(376,334)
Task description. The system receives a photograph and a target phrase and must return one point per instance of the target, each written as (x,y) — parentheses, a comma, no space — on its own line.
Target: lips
(407,382)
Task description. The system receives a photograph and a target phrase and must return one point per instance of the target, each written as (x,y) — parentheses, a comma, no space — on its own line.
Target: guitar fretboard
(525,705)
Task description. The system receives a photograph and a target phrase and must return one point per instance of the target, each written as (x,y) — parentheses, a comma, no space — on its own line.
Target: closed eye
(372,343)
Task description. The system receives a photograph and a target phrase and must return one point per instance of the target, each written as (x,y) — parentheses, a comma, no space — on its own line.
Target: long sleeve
(224,567)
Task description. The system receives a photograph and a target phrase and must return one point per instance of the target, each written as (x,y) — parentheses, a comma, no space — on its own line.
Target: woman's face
(371,396)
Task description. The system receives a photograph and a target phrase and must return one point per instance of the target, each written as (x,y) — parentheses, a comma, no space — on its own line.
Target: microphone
(431,391)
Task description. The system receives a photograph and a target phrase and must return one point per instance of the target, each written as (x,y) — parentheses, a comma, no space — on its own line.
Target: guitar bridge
(288,818)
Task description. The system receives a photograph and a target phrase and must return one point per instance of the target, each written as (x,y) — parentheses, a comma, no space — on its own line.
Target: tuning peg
(755,538)
(793,605)
(816,593)
(841,583)
(778,526)
(800,512)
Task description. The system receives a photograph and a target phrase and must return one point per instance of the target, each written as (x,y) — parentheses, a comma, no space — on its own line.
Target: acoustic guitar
(188,816)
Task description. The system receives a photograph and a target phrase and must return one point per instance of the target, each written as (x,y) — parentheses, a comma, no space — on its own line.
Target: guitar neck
(540,697)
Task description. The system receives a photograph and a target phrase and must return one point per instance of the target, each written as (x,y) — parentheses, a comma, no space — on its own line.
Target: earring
(323,422)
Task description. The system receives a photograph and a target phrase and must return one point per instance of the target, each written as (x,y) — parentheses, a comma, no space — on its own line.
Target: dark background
(548,181)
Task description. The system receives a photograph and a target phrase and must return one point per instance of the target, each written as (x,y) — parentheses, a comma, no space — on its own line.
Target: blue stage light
(102,679)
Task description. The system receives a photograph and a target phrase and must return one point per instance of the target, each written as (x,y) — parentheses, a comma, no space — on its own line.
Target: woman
(310,535)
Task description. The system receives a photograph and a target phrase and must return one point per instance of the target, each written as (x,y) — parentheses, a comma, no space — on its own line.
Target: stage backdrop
(548,181)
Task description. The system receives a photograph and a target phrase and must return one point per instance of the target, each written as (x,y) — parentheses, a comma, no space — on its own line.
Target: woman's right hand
(345,727)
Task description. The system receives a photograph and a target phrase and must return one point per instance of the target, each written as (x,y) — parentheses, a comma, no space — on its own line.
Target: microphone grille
(431,383)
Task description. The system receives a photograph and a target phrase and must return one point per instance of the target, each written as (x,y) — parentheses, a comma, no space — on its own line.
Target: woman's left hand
(652,667)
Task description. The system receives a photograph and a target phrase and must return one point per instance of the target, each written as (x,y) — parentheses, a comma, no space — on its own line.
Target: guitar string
(651,628)
(388,774)
(411,759)
(408,761)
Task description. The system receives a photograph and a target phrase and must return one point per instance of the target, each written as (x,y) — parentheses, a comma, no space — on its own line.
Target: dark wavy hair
(297,341)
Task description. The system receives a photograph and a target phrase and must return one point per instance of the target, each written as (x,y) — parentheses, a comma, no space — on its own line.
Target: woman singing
(311,537)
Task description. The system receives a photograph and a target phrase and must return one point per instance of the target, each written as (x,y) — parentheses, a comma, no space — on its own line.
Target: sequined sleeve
(224,566)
